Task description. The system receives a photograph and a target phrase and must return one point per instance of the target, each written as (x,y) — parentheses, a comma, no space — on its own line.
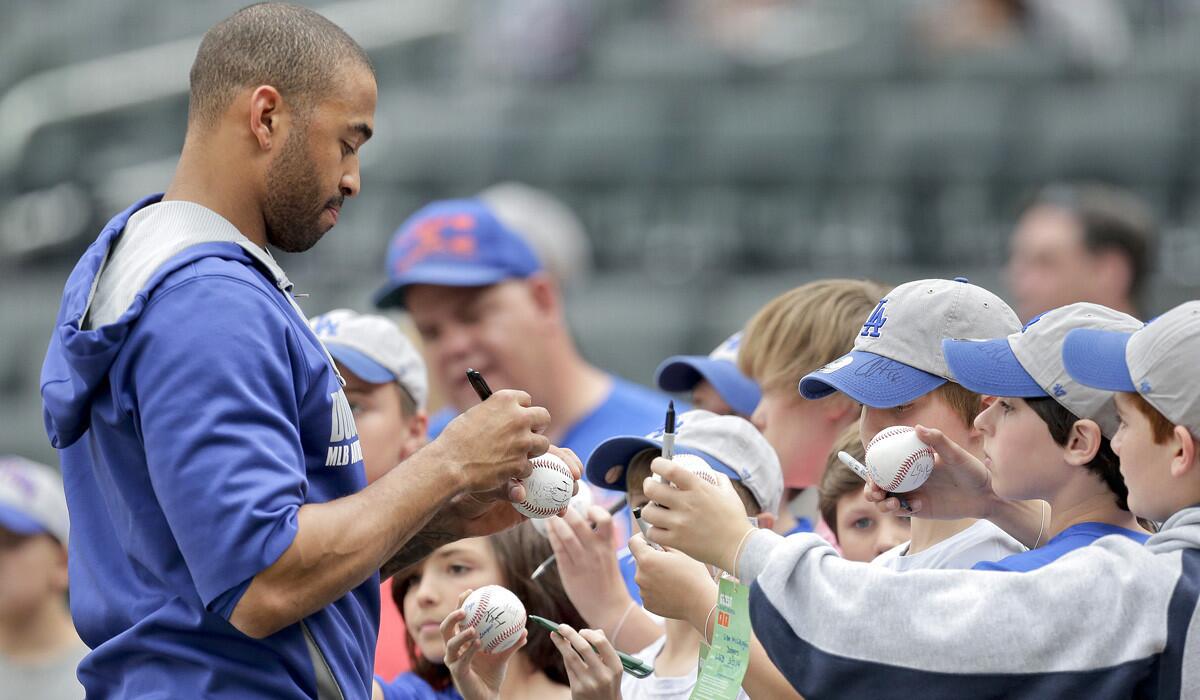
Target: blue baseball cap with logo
(897,356)
(1029,364)
(454,243)
(682,373)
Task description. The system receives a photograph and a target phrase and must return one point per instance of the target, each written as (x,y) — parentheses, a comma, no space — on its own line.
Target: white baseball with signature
(497,615)
(548,489)
(897,459)
(580,503)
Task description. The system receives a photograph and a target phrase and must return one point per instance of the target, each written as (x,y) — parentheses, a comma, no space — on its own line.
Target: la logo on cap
(876,321)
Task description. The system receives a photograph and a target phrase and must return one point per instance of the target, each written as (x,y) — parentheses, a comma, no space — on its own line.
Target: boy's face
(863,532)
(1145,465)
(33,569)
(388,437)
(705,396)
(1022,456)
(930,410)
(800,432)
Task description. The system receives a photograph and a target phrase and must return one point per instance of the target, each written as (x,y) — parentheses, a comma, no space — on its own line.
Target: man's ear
(545,294)
(1083,442)
(266,106)
(1113,268)
(1184,460)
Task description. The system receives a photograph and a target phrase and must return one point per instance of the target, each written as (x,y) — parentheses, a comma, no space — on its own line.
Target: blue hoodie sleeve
(217,397)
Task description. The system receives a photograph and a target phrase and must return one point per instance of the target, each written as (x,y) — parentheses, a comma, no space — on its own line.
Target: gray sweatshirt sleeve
(1093,624)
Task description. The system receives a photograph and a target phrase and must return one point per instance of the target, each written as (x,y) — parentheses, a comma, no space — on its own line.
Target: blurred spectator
(1089,34)
(549,227)
(39,648)
(532,39)
(1081,243)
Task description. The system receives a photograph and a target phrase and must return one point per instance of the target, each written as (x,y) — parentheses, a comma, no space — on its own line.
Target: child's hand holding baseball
(705,522)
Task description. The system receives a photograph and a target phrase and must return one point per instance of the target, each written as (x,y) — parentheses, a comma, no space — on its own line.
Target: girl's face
(863,532)
(1019,451)
(433,590)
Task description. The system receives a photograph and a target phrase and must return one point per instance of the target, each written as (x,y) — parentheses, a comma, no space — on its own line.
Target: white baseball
(897,459)
(579,503)
(696,465)
(497,614)
(548,489)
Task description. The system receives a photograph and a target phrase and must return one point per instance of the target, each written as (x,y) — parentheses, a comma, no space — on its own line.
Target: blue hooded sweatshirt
(195,413)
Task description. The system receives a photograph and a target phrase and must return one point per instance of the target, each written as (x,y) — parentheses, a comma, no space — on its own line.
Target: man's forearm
(341,543)
(435,534)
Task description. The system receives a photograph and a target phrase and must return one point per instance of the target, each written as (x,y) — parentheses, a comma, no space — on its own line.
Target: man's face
(317,167)
(1049,266)
(388,437)
(495,330)
(33,568)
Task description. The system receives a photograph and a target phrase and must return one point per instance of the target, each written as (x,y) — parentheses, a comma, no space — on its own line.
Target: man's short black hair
(1112,219)
(290,48)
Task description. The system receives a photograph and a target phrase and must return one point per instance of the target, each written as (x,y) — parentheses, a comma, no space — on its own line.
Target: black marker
(479,385)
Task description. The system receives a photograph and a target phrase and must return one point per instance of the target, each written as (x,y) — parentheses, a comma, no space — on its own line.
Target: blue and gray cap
(1029,364)
(1157,361)
(897,357)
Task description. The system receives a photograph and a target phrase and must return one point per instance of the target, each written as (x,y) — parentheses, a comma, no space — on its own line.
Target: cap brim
(620,451)
(1096,358)
(601,469)
(438,275)
(362,366)
(870,379)
(14,520)
(989,367)
(683,372)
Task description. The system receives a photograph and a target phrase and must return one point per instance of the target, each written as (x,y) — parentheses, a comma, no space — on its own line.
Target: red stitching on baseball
(906,465)
(480,609)
(552,463)
(499,639)
(889,432)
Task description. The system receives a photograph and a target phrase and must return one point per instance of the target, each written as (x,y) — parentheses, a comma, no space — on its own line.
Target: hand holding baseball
(959,486)
(476,676)
(491,443)
(687,513)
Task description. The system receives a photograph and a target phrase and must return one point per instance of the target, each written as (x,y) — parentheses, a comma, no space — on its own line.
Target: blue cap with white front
(1157,361)
(1029,364)
(897,356)
(682,373)
(454,243)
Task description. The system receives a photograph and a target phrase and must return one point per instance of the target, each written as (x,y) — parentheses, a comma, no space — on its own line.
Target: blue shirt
(1072,538)
(410,686)
(191,430)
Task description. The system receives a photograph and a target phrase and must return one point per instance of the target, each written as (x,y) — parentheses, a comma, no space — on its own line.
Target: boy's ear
(1184,460)
(1083,442)
(766,521)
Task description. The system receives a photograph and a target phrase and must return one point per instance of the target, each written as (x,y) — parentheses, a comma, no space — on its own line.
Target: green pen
(632,666)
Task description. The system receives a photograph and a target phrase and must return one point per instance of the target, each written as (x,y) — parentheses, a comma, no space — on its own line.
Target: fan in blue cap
(714,381)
